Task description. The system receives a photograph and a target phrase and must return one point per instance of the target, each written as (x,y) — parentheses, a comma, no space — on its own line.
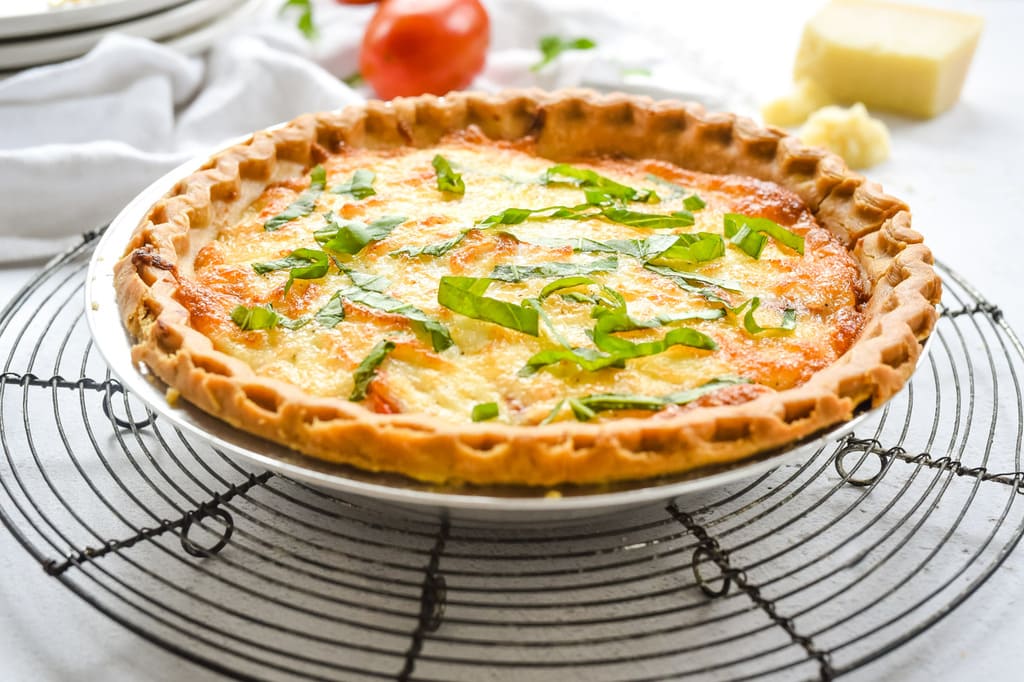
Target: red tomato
(412,47)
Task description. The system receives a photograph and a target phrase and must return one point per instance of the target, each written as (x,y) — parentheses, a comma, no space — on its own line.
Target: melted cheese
(482,366)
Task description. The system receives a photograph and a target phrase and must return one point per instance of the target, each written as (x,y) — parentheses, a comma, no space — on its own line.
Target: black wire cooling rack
(808,572)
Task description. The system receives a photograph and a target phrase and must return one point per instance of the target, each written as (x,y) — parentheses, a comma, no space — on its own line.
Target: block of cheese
(900,58)
(862,141)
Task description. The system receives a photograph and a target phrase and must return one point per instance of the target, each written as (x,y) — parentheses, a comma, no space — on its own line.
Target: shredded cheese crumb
(851,133)
(793,109)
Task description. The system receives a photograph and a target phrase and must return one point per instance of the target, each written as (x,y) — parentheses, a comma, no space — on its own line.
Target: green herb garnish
(303,264)
(352,236)
(552,46)
(649,221)
(359,187)
(464,295)
(433,249)
(598,188)
(262,317)
(586,407)
(484,411)
(749,234)
(334,312)
(367,369)
(691,202)
(748,308)
(303,204)
(447,179)
(305,21)
(518,273)
(694,248)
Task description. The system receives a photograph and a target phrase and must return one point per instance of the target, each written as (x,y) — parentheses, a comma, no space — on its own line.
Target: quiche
(528,288)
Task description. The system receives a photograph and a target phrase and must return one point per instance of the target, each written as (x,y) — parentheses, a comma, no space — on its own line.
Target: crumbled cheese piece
(900,58)
(794,108)
(172,395)
(862,141)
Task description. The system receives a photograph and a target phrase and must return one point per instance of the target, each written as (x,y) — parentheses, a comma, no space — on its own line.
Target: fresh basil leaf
(368,282)
(517,273)
(580,410)
(699,247)
(352,236)
(305,22)
(648,221)
(690,203)
(332,313)
(303,204)
(433,249)
(693,203)
(564,283)
(353,80)
(464,295)
(552,46)
(621,321)
(602,402)
(625,349)
(359,187)
(263,317)
(515,216)
(748,308)
(598,188)
(588,359)
(577,297)
(643,249)
(684,397)
(367,369)
(553,413)
(440,338)
(256,318)
(303,264)
(484,411)
(577,244)
(447,179)
(673,273)
(748,234)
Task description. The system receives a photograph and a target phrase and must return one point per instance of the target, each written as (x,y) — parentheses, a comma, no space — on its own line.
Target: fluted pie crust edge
(875,228)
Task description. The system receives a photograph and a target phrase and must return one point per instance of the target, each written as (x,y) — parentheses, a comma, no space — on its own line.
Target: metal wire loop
(198,551)
(862,446)
(108,410)
(701,554)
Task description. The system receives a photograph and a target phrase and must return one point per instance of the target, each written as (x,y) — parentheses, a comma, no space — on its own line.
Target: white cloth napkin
(79,139)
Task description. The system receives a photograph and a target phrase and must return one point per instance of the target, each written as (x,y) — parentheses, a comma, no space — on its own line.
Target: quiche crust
(874,227)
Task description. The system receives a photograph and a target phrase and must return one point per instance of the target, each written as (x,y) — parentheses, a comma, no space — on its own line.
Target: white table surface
(962,175)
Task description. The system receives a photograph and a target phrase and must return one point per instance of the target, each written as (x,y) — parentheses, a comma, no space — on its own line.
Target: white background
(960,173)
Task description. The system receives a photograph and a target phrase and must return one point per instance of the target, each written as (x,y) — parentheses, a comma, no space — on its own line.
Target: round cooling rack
(811,570)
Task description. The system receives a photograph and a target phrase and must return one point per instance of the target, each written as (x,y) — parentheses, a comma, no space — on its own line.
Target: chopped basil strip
(440,339)
(553,413)
(693,203)
(464,295)
(303,264)
(623,348)
(588,359)
(695,248)
(577,297)
(552,46)
(367,369)
(684,397)
(751,325)
(303,204)
(433,249)
(564,283)
(621,321)
(673,273)
(649,221)
(515,216)
(305,22)
(332,313)
(369,282)
(359,187)
(263,317)
(518,273)
(484,411)
(598,188)
(352,236)
(586,407)
(748,234)
(447,179)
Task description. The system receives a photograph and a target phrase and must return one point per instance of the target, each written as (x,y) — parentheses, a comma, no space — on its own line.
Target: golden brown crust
(874,226)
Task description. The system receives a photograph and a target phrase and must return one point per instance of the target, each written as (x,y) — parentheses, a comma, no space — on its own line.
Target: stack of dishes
(36,32)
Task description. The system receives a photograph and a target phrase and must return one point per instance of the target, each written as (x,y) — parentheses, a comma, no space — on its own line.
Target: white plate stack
(36,32)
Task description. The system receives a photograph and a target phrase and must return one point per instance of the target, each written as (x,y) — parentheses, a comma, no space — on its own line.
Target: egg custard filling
(475,280)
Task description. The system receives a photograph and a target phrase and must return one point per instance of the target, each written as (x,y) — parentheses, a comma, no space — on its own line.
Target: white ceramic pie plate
(25,18)
(493,504)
